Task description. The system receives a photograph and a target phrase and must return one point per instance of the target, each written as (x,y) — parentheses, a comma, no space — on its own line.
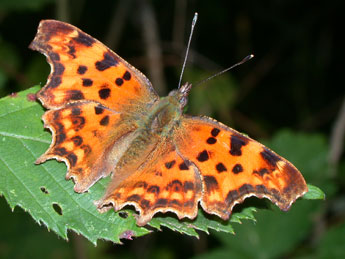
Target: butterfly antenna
(225,70)
(195,18)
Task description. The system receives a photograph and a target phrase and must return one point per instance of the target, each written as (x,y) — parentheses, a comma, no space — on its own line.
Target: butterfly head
(181,94)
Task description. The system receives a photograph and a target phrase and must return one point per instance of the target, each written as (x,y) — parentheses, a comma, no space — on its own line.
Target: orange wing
(84,69)
(95,98)
(84,138)
(166,182)
(234,167)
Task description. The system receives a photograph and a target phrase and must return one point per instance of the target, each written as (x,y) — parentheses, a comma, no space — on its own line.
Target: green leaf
(314,193)
(203,222)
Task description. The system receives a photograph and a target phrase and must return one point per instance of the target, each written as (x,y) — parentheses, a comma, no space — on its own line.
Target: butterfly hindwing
(234,167)
(84,139)
(165,182)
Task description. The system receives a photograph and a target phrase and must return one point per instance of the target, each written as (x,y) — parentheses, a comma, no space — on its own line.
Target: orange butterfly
(106,118)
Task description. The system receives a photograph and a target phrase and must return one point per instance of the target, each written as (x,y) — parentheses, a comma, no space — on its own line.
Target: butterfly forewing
(84,69)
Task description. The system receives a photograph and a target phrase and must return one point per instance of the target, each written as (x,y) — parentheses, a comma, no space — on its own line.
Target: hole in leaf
(44,190)
(123,214)
(57,208)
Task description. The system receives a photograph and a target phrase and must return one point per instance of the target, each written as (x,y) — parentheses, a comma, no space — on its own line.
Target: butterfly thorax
(163,116)
(156,127)
(152,131)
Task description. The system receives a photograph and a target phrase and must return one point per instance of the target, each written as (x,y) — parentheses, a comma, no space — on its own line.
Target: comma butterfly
(106,118)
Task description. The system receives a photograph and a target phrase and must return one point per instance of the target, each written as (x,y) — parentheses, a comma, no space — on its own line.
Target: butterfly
(106,119)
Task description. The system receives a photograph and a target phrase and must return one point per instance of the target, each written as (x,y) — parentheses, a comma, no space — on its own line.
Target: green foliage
(332,243)
(49,198)
(10,5)
(223,89)
(274,234)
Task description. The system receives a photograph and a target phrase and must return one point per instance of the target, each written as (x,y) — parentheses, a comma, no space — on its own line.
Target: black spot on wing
(215,132)
(153,189)
(49,28)
(134,197)
(71,51)
(119,81)
(261,189)
(158,173)
(261,172)
(175,186)
(78,122)
(104,93)
(84,39)
(237,169)
(236,144)
(74,95)
(183,166)
(203,156)
(188,186)
(175,203)
(60,138)
(107,62)
(145,204)
(54,56)
(58,69)
(211,183)
(188,204)
(161,202)
(54,82)
(220,167)
(270,157)
(104,121)
(76,111)
(72,158)
(246,189)
(98,110)
(211,140)
(86,148)
(87,82)
(141,184)
(231,197)
(82,70)
(170,164)
(127,76)
(77,140)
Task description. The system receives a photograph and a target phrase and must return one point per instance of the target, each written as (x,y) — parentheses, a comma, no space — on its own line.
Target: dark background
(295,82)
